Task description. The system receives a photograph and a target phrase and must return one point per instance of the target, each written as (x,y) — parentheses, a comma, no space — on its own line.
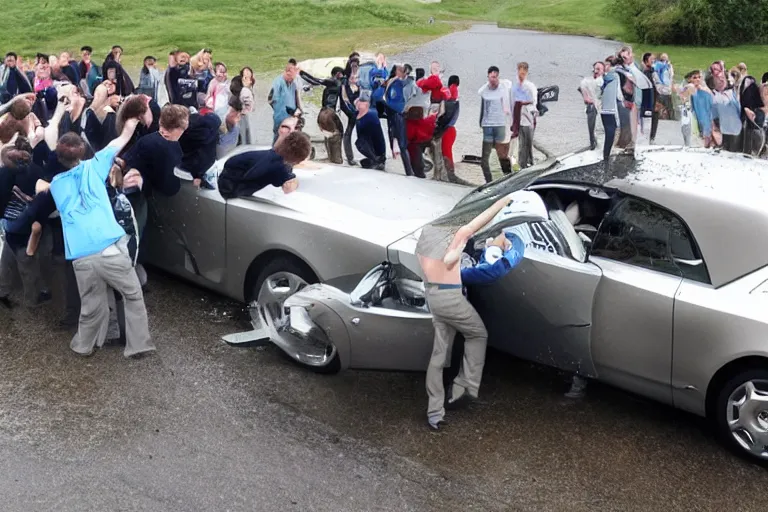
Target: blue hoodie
(486,273)
(86,212)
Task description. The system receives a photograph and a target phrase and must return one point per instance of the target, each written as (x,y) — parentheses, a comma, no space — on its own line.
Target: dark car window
(646,235)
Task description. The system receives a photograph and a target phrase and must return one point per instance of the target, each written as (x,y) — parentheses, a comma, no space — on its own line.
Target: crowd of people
(726,110)
(82,149)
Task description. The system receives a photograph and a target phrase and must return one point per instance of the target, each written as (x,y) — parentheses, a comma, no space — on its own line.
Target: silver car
(651,276)
(262,249)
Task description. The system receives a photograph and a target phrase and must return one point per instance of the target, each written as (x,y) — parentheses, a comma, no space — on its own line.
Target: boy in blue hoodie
(396,96)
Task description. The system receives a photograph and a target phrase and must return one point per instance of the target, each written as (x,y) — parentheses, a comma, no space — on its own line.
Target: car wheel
(278,280)
(741,413)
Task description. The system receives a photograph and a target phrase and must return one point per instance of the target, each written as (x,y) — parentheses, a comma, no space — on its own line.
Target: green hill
(263,34)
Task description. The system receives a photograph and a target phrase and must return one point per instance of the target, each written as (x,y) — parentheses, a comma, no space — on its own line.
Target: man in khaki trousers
(439,251)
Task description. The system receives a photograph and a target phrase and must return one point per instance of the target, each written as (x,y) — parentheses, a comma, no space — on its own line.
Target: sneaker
(578,387)
(379,167)
(461,402)
(351,163)
(436,425)
(86,354)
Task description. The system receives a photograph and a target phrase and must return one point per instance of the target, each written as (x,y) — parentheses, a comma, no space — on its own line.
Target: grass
(264,33)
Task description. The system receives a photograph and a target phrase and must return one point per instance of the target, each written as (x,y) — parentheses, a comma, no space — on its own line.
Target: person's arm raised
(453,255)
(128,128)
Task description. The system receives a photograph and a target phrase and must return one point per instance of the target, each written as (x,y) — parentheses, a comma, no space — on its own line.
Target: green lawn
(264,33)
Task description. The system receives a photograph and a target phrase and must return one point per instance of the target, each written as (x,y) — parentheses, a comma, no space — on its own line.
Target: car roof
(722,197)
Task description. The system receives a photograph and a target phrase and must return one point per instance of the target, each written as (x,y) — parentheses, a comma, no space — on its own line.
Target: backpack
(127,219)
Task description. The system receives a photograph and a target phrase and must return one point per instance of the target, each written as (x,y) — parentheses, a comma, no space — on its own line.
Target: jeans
(351,122)
(396,124)
(495,134)
(525,156)
(609,124)
(370,159)
(591,121)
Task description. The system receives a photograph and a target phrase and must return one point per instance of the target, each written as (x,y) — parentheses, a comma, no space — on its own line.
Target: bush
(695,22)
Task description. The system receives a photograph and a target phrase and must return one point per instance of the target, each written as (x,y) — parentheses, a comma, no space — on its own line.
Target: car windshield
(478,200)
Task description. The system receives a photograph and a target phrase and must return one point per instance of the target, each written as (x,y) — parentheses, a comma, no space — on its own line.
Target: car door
(188,234)
(542,310)
(634,303)
(387,319)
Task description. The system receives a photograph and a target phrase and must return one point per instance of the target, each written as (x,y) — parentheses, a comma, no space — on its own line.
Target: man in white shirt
(524,97)
(590,90)
(495,111)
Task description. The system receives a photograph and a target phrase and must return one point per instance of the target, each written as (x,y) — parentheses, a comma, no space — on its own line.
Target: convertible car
(650,274)
(263,248)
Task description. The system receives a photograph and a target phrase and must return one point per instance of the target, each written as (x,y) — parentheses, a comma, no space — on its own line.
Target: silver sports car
(263,248)
(650,275)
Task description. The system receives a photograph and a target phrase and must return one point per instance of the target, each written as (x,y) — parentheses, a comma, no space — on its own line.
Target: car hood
(376,206)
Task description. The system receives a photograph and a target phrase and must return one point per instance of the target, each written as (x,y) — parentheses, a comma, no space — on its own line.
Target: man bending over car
(439,253)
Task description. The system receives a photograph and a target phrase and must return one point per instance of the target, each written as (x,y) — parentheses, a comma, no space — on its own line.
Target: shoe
(379,167)
(6,303)
(351,163)
(87,354)
(141,355)
(463,401)
(578,387)
(437,426)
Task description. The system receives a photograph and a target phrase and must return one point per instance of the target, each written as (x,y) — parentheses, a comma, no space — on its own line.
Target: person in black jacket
(20,209)
(327,119)
(198,145)
(350,92)
(249,172)
(155,156)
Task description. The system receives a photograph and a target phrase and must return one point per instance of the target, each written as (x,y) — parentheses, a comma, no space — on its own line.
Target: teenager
(524,96)
(370,137)
(590,88)
(284,98)
(97,245)
(495,112)
(327,119)
(248,172)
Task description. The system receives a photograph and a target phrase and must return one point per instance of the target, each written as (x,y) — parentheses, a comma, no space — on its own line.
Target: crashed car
(650,274)
(262,248)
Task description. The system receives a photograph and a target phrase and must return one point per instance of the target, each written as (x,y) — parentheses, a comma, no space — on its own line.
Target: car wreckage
(649,274)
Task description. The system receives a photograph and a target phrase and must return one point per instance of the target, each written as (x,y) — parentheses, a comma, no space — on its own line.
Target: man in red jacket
(433,84)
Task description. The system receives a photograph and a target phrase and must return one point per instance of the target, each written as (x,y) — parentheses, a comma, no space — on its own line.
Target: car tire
(291,265)
(725,409)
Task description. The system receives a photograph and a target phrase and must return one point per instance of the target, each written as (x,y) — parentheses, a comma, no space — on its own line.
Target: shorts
(496,134)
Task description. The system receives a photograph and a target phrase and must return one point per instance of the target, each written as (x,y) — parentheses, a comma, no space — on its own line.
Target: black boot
(484,163)
(451,173)
(506,165)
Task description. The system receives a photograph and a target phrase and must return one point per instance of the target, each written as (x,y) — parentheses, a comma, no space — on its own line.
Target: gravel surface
(553,59)
(203,426)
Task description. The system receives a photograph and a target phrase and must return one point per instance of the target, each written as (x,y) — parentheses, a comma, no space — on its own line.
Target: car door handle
(690,263)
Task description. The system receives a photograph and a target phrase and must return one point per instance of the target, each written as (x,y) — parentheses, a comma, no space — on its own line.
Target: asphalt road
(204,426)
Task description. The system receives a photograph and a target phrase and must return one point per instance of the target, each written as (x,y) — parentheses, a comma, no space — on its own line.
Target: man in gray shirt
(495,111)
